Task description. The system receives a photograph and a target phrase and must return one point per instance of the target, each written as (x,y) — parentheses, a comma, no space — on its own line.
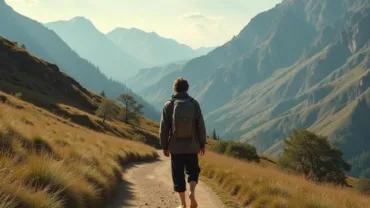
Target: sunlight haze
(197,23)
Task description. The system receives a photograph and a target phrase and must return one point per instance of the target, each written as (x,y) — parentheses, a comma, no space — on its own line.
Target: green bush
(140,138)
(18,95)
(363,186)
(220,147)
(242,151)
(237,150)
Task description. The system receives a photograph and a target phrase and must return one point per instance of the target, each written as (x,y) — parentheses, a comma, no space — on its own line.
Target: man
(183,136)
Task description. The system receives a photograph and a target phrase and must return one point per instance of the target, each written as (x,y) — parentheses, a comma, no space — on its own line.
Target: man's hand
(166,153)
(202,151)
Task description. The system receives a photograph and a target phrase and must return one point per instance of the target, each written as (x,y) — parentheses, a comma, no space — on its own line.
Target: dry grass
(259,185)
(47,161)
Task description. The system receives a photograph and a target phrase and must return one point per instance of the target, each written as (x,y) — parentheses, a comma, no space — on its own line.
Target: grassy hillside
(49,161)
(41,83)
(53,151)
(242,184)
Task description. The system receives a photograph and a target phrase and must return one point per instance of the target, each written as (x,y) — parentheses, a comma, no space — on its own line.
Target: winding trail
(149,185)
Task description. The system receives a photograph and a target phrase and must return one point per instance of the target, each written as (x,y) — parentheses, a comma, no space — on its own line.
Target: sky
(197,23)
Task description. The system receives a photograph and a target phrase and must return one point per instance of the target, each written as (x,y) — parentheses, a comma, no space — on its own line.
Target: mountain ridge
(44,43)
(81,35)
(152,48)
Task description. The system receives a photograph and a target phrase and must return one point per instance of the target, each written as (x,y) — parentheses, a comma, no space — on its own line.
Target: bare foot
(193,201)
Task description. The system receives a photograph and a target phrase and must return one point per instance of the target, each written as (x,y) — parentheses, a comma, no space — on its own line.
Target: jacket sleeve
(165,127)
(201,128)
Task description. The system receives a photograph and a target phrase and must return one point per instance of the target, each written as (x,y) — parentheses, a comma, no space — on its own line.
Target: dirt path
(150,186)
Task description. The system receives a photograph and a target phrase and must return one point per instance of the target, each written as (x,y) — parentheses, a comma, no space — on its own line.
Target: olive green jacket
(171,144)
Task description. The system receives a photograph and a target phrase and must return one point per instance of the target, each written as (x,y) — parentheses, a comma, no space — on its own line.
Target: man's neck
(181,95)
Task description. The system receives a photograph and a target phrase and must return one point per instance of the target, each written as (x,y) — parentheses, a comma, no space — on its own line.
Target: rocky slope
(302,64)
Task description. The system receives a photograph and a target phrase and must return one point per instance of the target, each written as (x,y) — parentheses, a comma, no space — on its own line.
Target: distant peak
(80,19)
(132,30)
(154,33)
(120,29)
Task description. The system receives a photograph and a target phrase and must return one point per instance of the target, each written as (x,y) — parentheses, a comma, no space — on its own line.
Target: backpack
(183,118)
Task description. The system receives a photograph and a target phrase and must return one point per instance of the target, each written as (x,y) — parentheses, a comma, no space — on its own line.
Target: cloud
(200,27)
(193,16)
(199,16)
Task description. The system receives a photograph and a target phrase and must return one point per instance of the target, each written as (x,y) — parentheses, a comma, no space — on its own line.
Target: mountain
(301,64)
(149,76)
(83,37)
(47,45)
(203,50)
(151,48)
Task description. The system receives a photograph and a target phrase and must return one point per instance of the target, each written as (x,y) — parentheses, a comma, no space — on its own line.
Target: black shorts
(182,163)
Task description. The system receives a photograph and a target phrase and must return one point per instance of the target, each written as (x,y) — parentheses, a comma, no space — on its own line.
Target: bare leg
(182,199)
(193,201)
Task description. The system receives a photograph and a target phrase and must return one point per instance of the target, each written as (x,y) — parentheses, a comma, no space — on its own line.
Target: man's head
(181,85)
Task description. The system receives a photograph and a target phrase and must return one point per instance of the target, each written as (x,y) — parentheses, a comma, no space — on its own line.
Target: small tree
(103,94)
(24,46)
(106,110)
(315,157)
(214,135)
(132,109)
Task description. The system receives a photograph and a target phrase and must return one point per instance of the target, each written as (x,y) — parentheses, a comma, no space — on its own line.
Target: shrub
(242,151)
(363,186)
(41,145)
(220,147)
(18,95)
(140,138)
(237,150)
(3,99)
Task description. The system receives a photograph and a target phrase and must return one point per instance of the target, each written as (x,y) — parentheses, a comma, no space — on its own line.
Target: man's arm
(164,132)
(201,128)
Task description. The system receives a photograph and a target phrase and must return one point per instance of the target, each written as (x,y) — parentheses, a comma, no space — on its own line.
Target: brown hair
(181,85)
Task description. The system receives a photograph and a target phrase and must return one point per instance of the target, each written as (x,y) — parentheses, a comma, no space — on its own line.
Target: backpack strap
(171,109)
